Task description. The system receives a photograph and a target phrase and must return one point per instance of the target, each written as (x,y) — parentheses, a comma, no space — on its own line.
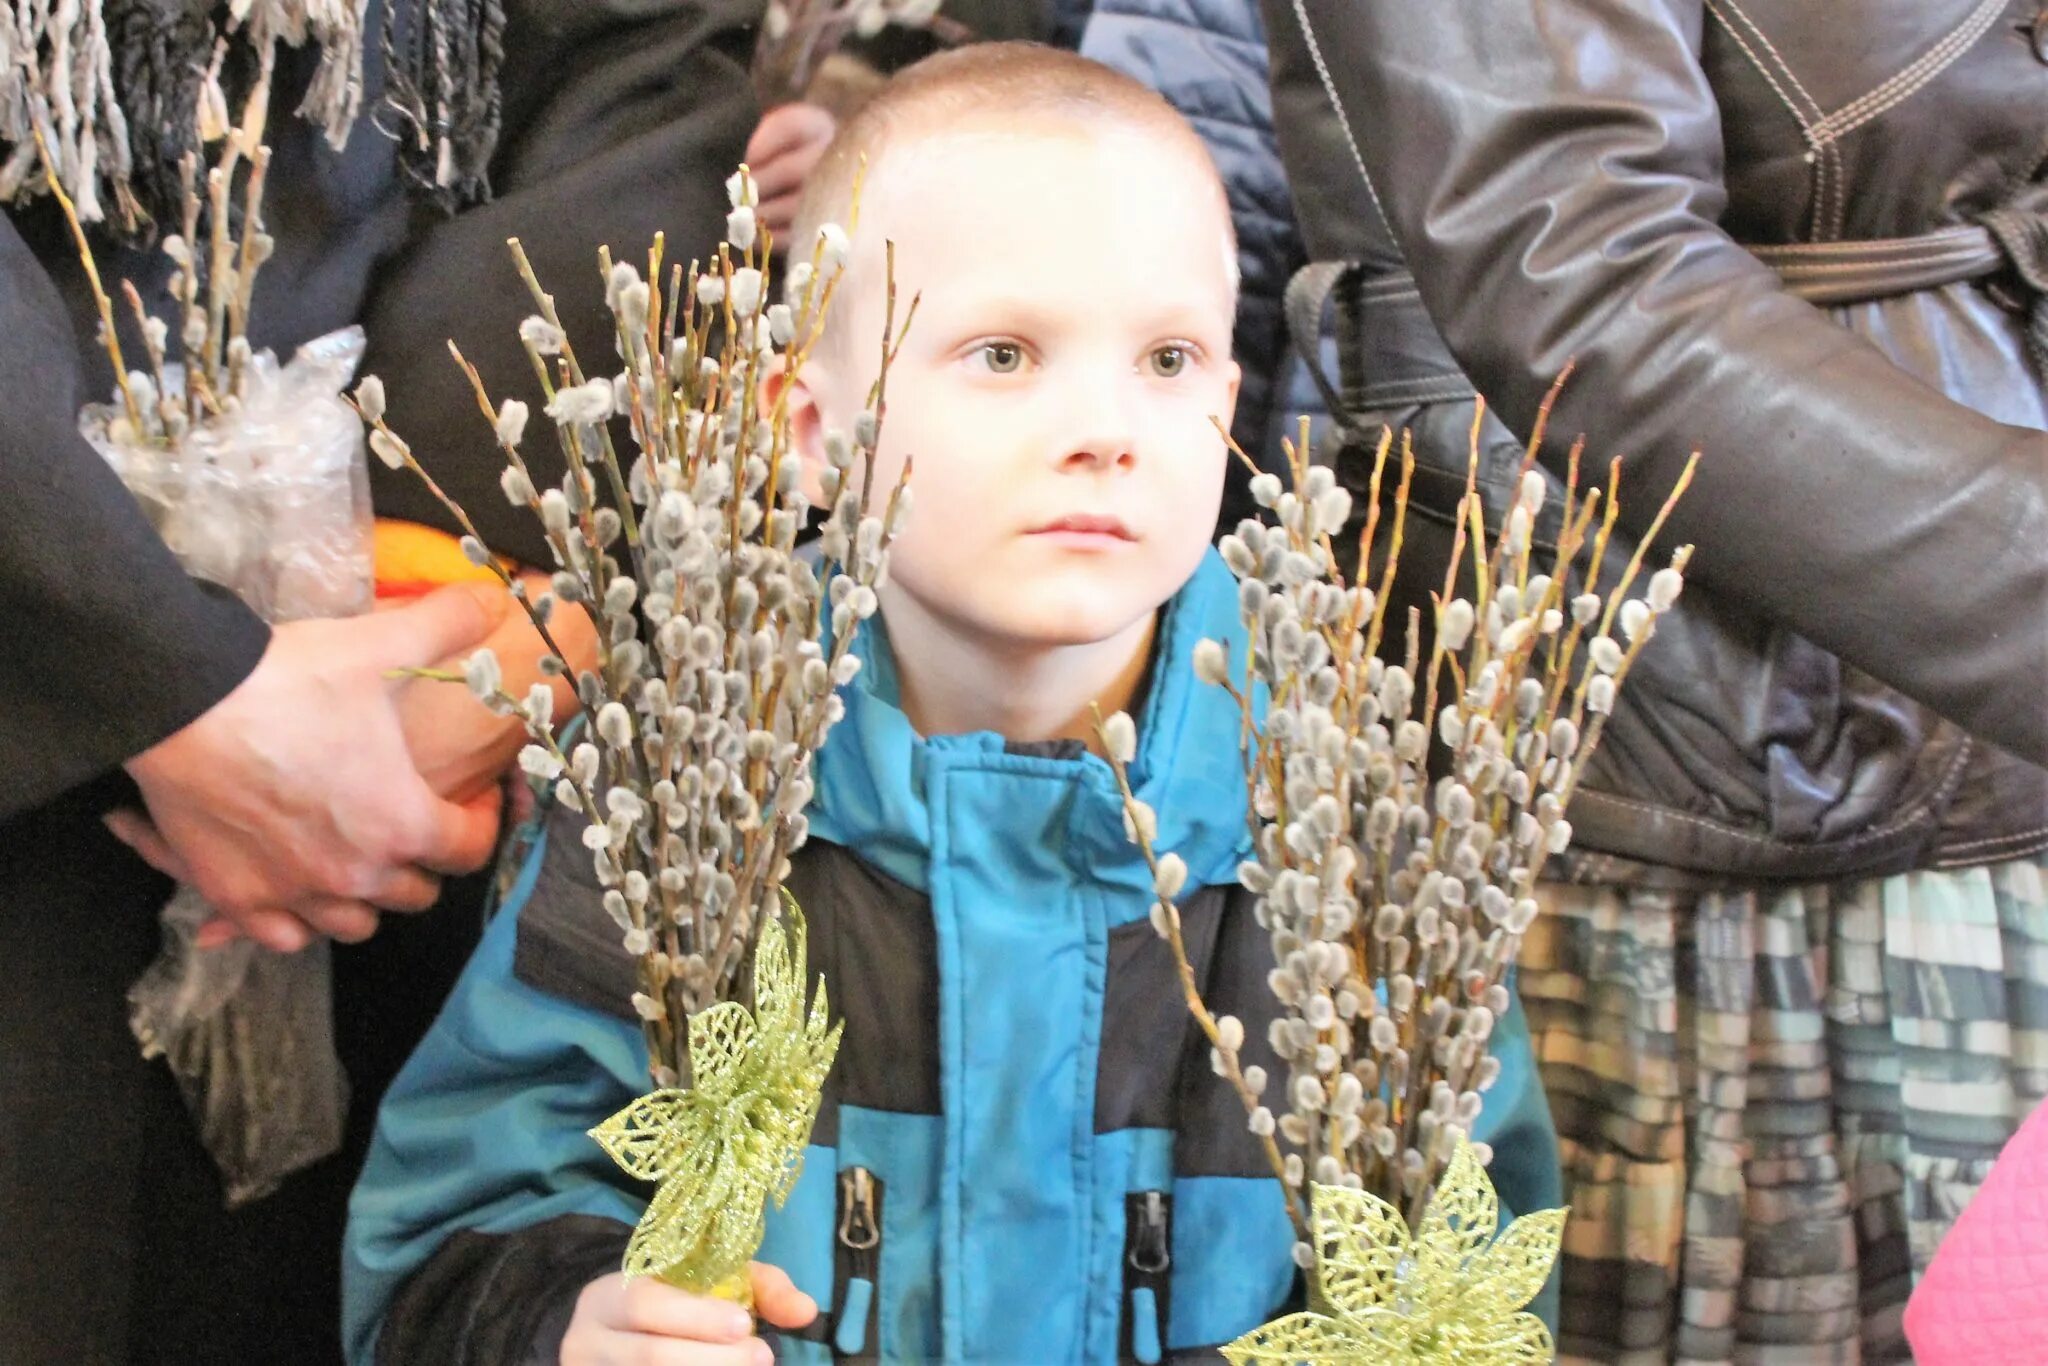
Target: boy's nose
(1102,434)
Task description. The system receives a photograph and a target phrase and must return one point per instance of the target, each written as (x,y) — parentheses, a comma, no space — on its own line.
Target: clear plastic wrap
(271,501)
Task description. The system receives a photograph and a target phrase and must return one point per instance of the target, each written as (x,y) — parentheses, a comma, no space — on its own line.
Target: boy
(1022,1154)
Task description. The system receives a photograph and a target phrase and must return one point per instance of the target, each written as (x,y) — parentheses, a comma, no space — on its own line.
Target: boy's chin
(1064,621)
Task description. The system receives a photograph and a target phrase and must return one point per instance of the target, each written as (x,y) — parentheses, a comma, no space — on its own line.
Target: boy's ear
(806,422)
(1234,373)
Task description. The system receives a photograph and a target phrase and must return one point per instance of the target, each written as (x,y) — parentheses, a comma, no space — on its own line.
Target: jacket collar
(875,773)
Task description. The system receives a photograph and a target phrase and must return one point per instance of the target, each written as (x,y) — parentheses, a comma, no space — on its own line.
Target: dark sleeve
(1552,170)
(622,119)
(106,646)
(500,1299)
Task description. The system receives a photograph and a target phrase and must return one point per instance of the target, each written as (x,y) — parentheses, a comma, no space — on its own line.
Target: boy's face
(1057,384)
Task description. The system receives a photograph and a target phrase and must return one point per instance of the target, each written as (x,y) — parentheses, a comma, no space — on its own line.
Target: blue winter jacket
(1023,1155)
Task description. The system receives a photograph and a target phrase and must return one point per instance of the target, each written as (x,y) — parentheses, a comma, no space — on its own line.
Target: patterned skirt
(1772,1103)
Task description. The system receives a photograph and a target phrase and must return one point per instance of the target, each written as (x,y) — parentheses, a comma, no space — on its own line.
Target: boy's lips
(1084,527)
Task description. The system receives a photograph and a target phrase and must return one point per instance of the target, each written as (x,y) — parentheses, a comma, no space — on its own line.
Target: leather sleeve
(622,119)
(1552,172)
(106,646)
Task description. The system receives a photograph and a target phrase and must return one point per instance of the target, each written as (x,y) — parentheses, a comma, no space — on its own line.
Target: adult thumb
(447,622)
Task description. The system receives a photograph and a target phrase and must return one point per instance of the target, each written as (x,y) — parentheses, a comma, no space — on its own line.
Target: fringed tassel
(61,62)
(441,88)
(337,28)
(56,73)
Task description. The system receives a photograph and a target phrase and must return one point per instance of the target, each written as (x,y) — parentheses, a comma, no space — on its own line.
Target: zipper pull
(860,1233)
(1150,1258)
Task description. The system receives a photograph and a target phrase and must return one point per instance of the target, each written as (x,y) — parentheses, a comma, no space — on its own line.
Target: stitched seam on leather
(1873,245)
(1914,78)
(1784,66)
(1388,290)
(2019,838)
(1315,55)
(2019,849)
(1820,179)
(1397,395)
(1930,258)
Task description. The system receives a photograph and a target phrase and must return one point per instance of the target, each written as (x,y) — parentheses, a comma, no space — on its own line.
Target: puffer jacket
(1207,58)
(1809,242)
(1022,1156)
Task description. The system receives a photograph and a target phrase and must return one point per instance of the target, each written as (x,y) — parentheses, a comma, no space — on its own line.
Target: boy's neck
(950,685)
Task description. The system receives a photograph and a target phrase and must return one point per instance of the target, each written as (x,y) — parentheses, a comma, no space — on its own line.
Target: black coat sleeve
(1553,173)
(500,1299)
(623,118)
(106,646)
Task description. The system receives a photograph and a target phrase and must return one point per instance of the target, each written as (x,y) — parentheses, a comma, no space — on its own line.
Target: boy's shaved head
(1069,242)
(992,87)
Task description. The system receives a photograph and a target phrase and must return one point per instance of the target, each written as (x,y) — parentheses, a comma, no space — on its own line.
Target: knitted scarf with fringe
(114,85)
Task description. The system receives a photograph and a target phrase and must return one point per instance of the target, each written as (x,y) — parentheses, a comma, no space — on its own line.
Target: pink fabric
(1985,1297)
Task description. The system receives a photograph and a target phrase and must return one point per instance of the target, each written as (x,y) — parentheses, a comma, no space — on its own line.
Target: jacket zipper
(1148,1266)
(857,1259)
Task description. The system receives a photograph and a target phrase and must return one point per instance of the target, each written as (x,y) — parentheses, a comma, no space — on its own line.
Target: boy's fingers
(648,1306)
(612,1347)
(777,1299)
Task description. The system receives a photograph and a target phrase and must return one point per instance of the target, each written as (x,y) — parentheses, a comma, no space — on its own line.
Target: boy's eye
(1002,358)
(1168,361)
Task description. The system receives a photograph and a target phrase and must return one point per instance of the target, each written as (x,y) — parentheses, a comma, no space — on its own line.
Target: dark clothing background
(622,117)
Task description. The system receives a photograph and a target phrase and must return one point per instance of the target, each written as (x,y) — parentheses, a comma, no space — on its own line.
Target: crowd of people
(1788,996)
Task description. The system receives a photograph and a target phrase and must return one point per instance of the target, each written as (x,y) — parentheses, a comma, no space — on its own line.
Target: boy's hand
(642,1322)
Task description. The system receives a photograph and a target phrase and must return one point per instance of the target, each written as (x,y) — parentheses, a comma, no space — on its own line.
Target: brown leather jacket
(1810,241)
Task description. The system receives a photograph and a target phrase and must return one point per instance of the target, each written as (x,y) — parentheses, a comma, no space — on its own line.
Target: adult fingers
(216,933)
(456,837)
(448,621)
(278,931)
(786,174)
(785,127)
(404,889)
(777,1299)
(338,918)
(139,833)
(778,215)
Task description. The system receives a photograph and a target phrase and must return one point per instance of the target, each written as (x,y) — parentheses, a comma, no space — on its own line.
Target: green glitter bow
(736,1136)
(1452,1292)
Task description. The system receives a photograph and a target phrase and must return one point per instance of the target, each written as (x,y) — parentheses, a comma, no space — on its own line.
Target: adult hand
(457,744)
(643,1322)
(294,806)
(786,144)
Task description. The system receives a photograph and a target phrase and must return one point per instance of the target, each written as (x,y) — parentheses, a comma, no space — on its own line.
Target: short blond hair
(1022,83)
